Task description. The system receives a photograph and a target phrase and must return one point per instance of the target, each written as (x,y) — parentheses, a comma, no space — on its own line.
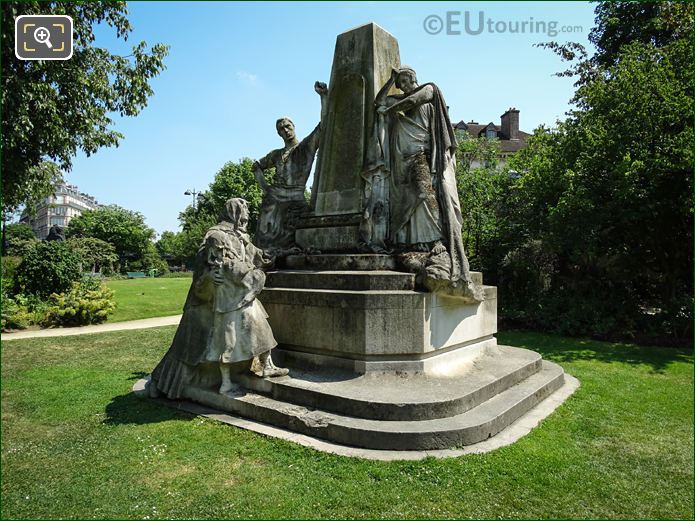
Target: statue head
(285,129)
(406,79)
(236,211)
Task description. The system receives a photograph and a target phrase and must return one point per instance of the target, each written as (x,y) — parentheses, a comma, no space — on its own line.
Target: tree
(19,231)
(170,247)
(124,229)
(605,197)
(96,255)
(52,109)
(150,260)
(480,181)
(658,24)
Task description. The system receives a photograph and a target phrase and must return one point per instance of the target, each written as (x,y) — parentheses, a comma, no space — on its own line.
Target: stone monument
(387,336)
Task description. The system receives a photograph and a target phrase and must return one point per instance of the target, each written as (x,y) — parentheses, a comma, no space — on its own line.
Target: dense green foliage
(78,444)
(150,261)
(87,302)
(49,267)
(20,237)
(170,247)
(124,229)
(51,111)
(9,267)
(19,231)
(14,315)
(18,247)
(620,23)
(481,185)
(96,255)
(595,235)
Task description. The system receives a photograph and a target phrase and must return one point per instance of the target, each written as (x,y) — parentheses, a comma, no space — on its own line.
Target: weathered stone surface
(377,361)
(344,262)
(343,280)
(362,62)
(443,362)
(394,398)
(223,324)
(469,427)
(375,329)
(334,238)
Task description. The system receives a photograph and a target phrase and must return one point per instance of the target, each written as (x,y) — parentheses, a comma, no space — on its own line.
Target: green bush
(14,314)
(178,275)
(49,267)
(9,267)
(87,302)
(19,246)
(116,276)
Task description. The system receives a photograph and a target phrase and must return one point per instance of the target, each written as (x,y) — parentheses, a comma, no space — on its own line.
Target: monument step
(340,280)
(390,396)
(467,428)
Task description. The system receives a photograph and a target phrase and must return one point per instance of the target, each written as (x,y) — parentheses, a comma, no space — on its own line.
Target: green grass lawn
(76,443)
(147,298)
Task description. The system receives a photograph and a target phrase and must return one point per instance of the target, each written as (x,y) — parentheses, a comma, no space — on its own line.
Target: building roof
(506,145)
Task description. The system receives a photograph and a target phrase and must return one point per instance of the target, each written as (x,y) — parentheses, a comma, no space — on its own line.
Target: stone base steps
(453,423)
(387,397)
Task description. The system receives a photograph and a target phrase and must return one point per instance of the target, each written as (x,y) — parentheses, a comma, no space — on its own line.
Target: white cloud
(247,77)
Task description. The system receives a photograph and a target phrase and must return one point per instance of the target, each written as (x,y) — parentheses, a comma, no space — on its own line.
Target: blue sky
(235,67)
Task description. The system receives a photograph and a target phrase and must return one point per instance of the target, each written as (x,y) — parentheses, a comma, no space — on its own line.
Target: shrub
(9,267)
(49,267)
(14,315)
(178,275)
(19,247)
(87,302)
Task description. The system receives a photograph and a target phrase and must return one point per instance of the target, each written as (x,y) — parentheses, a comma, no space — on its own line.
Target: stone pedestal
(374,363)
(375,321)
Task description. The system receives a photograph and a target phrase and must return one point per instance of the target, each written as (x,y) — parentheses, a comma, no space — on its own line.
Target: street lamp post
(193,193)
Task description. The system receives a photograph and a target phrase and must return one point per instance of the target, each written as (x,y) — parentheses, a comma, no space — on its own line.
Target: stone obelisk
(362,63)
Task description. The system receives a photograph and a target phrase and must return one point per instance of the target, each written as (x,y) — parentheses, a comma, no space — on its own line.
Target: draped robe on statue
(221,323)
(418,149)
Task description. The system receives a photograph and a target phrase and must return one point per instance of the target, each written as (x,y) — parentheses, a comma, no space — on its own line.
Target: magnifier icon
(42,35)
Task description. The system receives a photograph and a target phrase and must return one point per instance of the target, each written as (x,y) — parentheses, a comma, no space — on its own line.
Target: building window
(60,221)
(490,133)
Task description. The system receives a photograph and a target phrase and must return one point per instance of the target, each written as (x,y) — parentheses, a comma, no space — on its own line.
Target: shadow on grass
(130,409)
(564,349)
